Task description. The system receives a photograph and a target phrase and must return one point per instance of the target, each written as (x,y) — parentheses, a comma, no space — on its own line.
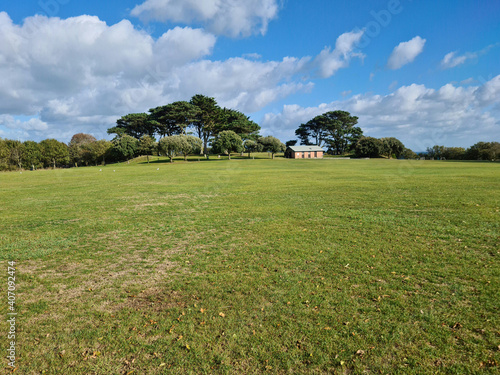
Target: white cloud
(405,53)
(452,60)
(417,115)
(80,74)
(223,17)
(328,61)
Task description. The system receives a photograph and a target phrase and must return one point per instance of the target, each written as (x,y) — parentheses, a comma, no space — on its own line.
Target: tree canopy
(335,128)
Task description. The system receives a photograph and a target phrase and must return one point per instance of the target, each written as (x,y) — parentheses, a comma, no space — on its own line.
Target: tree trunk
(171,159)
(229,154)
(147,156)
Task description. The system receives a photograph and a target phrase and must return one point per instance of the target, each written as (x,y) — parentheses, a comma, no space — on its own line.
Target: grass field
(254,266)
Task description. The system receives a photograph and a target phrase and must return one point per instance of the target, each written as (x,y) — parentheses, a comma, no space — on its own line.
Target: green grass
(252,266)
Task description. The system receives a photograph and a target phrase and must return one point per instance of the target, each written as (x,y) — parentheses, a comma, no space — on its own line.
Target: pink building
(304,152)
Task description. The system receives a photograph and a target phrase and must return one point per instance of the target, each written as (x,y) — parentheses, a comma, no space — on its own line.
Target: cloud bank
(234,18)
(417,115)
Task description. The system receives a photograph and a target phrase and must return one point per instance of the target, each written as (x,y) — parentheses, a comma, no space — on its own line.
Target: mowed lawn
(254,266)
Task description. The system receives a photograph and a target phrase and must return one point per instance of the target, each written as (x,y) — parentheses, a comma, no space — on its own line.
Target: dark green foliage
(369,147)
(173,118)
(135,124)
(32,155)
(483,151)
(454,153)
(409,154)
(124,147)
(239,123)
(54,153)
(335,128)
(435,152)
(291,143)
(393,147)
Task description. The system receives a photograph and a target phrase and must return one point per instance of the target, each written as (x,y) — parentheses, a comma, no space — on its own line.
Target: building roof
(306,148)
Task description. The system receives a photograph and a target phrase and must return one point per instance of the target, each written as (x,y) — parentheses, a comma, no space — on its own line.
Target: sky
(426,72)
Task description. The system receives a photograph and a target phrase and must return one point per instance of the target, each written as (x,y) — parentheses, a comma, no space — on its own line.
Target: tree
(15,153)
(341,132)
(454,153)
(409,154)
(208,118)
(392,147)
(32,155)
(272,145)
(435,152)
(226,142)
(173,118)
(291,143)
(195,145)
(483,151)
(173,145)
(239,123)
(250,146)
(369,147)
(54,152)
(4,154)
(135,124)
(147,145)
(124,147)
(79,151)
(317,129)
(98,150)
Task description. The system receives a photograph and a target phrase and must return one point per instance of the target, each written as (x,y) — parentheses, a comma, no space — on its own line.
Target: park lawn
(254,266)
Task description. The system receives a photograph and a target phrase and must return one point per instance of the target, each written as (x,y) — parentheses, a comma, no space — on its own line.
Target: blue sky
(426,72)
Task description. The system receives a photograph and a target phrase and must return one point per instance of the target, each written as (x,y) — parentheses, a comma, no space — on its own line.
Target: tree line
(225,130)
(337,131)
(200,126)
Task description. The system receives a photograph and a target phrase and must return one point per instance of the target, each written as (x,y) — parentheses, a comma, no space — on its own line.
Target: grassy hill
(253,266)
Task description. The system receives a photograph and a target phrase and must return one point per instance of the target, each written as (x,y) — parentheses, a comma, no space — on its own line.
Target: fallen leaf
(221,314)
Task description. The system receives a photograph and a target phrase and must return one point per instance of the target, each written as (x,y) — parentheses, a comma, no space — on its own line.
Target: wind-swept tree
(239,123)
(209,118)
(341,131)
(315,129)
(135,124)
(173,118)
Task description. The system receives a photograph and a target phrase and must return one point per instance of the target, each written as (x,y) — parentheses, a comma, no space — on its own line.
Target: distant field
(254,266)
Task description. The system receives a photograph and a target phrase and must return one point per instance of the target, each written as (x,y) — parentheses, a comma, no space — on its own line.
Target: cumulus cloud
(405,53)
(80,74)
(424,117)
(328,61)
(223,17)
